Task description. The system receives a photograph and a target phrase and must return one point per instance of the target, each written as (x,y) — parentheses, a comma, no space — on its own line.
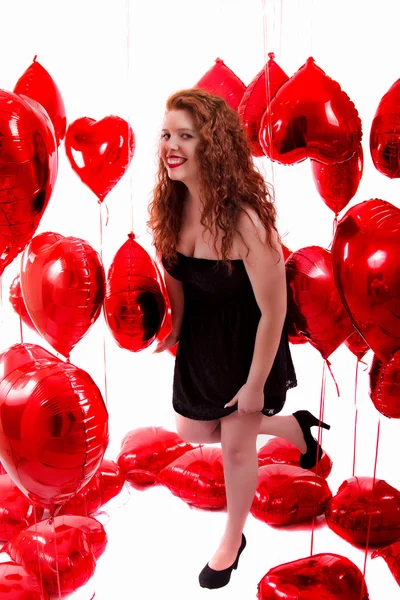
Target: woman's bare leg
(198,432)
(239,451)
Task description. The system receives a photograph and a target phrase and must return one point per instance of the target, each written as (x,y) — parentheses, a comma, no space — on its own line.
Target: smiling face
(179,140)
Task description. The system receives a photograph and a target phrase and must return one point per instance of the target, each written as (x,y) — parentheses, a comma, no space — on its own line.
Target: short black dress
(217,340)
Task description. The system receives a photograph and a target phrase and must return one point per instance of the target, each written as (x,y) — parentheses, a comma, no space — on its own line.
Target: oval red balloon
(384,140)
(36,83)
(28,171)
(384,380)
(53,426)
(257,97)
(221,81)
(310,117)
(134,305)
(314,304)
(338,183)
(100,152)
(365,259)
(62,283)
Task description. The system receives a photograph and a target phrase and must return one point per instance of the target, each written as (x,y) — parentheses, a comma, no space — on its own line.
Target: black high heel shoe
(211,579)
(306,420)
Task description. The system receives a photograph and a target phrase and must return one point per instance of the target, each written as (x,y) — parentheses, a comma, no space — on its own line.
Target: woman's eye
(186,136)
(164,136)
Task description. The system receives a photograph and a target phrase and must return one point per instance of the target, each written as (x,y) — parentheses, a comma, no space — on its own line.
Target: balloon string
(128,73)
(267,85)
(319,440)
(56,557)
(104,332)
(20,330)
(328,364)
(355,417)
(38,551)
(371,505)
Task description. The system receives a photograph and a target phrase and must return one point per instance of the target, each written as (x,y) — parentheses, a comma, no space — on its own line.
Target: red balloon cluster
(221,81)
(197,477)
(134,305)
(61,552)
(278,451)
(146,451)
(286,495)
(62,283)
(365,511)
(28,171)
(327,576)
(53,424)
(100,152)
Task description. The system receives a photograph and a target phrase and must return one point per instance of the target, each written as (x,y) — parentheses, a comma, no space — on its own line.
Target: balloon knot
(34,58)
(271,55)
(131,235)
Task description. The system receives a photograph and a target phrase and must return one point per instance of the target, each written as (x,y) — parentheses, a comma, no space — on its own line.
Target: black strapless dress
(217,340)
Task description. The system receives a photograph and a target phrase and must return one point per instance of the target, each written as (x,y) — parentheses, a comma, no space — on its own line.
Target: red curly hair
(228,178)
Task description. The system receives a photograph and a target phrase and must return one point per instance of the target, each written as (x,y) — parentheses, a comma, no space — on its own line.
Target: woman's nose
(173,143)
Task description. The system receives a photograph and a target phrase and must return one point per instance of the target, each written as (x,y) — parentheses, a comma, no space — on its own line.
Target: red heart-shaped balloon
(384,380)
(287,495)
(257,97)
(314,304)
(365,511)
(391,554)
(278,451)
(310,117)
(365,258)
(53,425)
(221,81)
(197,478)
(338,183)
(62,283)
(100,151)
(62,552)
(319,577)
(16,512)
(356,344)
(16,583)
(36,83)
(146,451)
(384,138)
(134,305)
(106,483)
(28,171)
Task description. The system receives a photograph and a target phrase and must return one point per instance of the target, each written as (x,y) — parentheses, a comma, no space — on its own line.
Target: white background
(157,545)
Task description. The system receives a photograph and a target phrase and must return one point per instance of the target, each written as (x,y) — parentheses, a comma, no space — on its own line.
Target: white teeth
(176,161)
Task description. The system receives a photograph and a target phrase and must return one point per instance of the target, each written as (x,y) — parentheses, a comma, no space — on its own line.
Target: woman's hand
(249,399)
(170,340)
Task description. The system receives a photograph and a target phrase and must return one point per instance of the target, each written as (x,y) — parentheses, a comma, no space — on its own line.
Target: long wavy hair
(229,181)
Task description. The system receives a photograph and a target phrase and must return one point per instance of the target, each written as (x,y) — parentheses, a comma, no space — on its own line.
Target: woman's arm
(266,270)
(176,298)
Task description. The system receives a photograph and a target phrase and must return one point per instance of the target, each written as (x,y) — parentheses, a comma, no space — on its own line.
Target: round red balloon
(100,152)
(318,577)
(62,283)
(384,380)
(314,304)
(145,451)
(105,484)
(221,81)
(384,138)
(278,451)
(28,171)
(134,305)
(197,477)
(257,97)
(61,552)
(18,304)
(310,117)
(53,425)
(338,183)
(365,258)
(365,511)
(36,83)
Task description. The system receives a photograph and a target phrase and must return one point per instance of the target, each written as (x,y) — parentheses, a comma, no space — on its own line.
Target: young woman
(213,224)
